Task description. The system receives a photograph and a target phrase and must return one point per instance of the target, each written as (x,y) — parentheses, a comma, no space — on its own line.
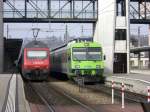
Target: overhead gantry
(54,11)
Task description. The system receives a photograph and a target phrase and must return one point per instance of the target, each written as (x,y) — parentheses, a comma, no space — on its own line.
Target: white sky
(24,30)
(144,29)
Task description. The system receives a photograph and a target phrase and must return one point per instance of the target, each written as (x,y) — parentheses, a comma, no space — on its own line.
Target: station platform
(145,72)
(12,98)
(4,79)
(134,82)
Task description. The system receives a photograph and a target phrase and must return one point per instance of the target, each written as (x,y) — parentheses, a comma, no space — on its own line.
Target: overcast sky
(24,30)
(144,29)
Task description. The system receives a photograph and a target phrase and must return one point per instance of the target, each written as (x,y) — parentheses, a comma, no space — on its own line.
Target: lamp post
(139,45)
(139,39)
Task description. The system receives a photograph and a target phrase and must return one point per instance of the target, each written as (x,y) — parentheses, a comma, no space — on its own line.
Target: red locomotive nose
(40,64)
(34,57)
(37,59)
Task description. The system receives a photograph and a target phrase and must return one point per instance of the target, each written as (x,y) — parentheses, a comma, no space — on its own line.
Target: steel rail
(74,99)
(51,108)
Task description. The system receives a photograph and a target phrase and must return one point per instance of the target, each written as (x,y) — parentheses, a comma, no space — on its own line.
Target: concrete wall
(128,34)
(1,36)
(120,46)
(105,30)
(149,44)
(123,22)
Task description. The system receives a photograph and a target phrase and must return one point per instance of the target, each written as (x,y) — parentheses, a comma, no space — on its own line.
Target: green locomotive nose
(79,58)
(87,61)
(91,72)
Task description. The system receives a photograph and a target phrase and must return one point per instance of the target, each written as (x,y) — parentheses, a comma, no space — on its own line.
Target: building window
(146,62)
(120,34)
(132,63)
(141,63)
(121,7)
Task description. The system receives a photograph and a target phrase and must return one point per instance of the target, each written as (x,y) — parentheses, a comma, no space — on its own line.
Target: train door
(120,63)
(69,57)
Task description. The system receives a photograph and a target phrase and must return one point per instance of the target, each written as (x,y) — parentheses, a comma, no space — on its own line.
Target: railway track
(103,91)
(36,101)
(49,105)
(76,100)
(52,97)
(53,100)
(101,88)
(129,96)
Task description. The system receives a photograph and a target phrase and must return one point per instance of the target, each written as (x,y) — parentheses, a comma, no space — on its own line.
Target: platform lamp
(35,32)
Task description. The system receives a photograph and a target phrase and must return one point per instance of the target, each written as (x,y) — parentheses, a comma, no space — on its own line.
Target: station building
(143,63)
(112,31)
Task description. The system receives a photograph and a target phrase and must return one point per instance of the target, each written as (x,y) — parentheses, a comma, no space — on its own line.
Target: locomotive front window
(93,56)
(88,53)
(79,55)
(37,54)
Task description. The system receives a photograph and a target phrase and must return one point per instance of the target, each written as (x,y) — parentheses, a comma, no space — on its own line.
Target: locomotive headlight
(77,66)
(98,66)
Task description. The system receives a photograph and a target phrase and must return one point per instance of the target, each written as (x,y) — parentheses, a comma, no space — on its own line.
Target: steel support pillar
(25,8)
(127,4)
(49,8)
(70,8)
(1,37)
(73,12)
(94,28)
(149,59)
(94,9)
(139,66)
(139,9)
(145,11)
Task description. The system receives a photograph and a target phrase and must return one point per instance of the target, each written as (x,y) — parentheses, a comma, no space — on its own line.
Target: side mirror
(104,57)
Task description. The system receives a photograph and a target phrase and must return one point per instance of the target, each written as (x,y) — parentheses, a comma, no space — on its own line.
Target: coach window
(120,34)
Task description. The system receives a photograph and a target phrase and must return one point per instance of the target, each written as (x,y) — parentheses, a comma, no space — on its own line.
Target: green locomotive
(79,58)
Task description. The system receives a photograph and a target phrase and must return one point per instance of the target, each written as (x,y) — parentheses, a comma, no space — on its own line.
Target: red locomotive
(34,61)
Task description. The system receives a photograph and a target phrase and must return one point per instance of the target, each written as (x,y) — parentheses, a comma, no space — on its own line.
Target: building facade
(112,31)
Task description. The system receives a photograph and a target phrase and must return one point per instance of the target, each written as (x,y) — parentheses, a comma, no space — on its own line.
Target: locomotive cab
(87,61)
(35,64)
